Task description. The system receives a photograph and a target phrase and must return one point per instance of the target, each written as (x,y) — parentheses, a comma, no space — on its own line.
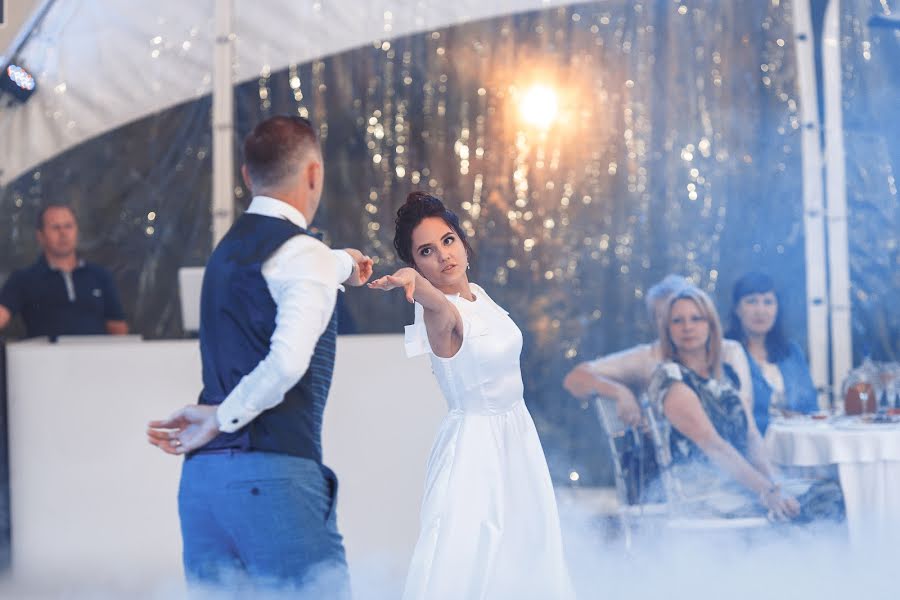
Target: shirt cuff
(344,267)
(232,416)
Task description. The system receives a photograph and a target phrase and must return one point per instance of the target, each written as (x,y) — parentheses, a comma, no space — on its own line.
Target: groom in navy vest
(255,501)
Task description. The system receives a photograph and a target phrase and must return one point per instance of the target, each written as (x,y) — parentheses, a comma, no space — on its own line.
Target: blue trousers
(262,520)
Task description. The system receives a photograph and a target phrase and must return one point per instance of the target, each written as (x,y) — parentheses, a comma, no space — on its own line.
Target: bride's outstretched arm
(443,322)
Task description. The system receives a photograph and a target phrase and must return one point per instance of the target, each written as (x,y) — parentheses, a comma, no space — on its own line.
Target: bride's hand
(405,278)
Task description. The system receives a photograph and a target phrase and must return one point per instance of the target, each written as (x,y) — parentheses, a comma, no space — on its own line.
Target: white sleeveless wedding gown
(489,523)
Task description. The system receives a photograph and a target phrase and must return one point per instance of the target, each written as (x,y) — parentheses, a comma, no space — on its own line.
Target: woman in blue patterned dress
(714,443)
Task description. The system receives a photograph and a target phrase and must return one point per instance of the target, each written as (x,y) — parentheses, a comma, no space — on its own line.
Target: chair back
(660,433)
(634,462)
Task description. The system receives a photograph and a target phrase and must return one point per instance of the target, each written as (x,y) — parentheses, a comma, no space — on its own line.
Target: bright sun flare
(539,106)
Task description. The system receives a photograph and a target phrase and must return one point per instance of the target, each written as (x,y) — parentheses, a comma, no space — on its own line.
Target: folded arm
(612,377)
(116,327)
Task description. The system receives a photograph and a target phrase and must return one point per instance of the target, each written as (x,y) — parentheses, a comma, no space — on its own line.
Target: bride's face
(439,254)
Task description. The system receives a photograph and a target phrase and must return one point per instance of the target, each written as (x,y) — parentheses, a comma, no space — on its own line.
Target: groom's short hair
(276,149)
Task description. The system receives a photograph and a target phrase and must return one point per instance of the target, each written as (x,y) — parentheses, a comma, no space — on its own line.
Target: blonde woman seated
(625,375)
(714,443)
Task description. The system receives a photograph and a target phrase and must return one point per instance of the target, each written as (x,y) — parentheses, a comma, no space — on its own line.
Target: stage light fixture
(17,82)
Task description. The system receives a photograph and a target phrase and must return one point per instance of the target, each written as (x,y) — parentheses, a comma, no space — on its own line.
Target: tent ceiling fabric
(100,65)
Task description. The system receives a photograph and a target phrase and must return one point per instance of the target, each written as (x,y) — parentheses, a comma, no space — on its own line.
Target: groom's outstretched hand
(362,267)
(185,430)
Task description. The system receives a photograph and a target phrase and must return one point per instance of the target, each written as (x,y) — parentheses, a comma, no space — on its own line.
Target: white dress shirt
(303,277)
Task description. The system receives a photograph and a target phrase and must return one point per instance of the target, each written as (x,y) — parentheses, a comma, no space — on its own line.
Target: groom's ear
(313,174)
(245,175)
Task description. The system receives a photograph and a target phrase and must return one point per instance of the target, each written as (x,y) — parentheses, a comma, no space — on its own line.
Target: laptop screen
(190,281)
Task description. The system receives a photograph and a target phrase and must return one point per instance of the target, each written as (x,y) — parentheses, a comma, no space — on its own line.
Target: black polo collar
(42,265)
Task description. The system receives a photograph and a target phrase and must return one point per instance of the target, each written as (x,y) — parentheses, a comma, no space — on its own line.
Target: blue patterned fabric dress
(699,477)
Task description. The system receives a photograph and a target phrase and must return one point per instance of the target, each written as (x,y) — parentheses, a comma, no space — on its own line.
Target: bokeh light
(539,106)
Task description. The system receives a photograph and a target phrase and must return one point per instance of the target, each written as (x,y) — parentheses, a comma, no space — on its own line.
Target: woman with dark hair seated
(713,442)
(489,523)
(778,368)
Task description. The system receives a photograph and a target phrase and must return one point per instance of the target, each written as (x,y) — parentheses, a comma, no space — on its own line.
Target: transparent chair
(632,463)
(682,505)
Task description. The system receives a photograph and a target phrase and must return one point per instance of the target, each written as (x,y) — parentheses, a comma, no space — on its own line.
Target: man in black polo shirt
(61,294)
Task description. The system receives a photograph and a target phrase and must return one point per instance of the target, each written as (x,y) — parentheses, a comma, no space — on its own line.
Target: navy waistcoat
(237,319)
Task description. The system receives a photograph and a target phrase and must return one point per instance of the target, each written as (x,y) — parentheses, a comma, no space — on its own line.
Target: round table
(867,456)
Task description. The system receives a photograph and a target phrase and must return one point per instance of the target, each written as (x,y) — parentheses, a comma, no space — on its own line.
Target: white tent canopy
(101,64)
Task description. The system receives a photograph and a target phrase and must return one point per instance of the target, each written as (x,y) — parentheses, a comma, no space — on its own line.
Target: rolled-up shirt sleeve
(303,277)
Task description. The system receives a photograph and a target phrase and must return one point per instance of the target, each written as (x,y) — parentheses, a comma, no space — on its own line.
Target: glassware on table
(866,395)
(836,402)
(892,389)
(880,384)
(859,393)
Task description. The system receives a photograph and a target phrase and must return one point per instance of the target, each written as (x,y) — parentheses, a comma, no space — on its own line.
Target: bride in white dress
(489,524)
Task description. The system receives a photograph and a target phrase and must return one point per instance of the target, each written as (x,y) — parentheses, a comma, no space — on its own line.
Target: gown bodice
(483,377)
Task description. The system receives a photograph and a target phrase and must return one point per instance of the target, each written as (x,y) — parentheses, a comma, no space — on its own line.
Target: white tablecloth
(867,456)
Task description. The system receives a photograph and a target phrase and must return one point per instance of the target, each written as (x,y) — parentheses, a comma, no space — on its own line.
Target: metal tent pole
(836,189)
(813,199)
(222,122)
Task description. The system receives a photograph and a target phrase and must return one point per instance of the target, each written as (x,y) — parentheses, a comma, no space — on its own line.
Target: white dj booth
(93,502)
